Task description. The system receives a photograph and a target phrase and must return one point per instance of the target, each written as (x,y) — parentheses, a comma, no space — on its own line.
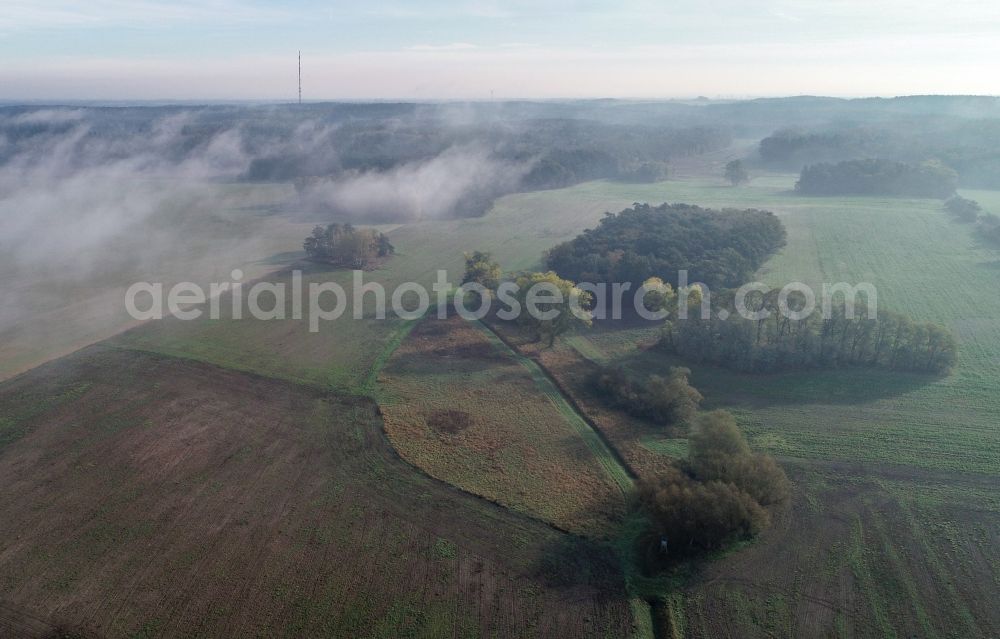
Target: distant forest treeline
(971,147)
(877,177)
(517,148)
(719,248)
(565,151)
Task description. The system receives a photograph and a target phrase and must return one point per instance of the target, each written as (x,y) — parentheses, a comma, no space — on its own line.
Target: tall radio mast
(300,77)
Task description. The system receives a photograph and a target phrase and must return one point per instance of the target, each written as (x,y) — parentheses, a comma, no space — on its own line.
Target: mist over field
(561,319)
(525,465)
(91,202)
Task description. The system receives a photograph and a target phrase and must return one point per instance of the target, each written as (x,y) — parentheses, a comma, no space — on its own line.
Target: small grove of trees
(665,400)
(878,177)
(719,248)
(558,304)
(962,209)
(344,245)
(720,495)
(778,343)
(969,211)
(736,173)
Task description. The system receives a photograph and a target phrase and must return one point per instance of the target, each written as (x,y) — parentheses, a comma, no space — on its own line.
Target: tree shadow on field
(842,386)
(569,562)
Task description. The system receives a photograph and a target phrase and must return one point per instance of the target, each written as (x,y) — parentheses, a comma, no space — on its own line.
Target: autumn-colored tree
(659,295)
(551,305)
(481,268)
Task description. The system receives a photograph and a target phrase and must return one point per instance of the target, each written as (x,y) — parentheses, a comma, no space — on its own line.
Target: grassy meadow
(922,264)
(895,516)
(345,354)
(463,408)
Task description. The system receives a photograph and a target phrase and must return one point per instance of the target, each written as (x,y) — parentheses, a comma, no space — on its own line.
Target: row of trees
(969,211)
(720,248)
(346,246)
(719,495)
(878,177)
(779,343)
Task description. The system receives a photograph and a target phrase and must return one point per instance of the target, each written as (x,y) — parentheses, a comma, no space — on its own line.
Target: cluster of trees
(482,269)
(562,305)
(559,314)
(719,495)
(344,245)
(665,400)
(969,211)
(878,177)
(822,339)
(962,209)
(719,248)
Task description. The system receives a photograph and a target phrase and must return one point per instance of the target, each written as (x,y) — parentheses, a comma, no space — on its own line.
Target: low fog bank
(95,198)
(88,192)
(460,181)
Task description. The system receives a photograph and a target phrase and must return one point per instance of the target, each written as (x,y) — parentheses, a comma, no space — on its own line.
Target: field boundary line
(369,386)
(607,455)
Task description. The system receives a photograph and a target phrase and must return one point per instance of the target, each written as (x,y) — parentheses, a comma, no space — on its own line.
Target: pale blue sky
(240,49)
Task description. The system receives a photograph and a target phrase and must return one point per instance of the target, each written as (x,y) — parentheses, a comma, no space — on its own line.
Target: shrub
(700,515)
(665,400)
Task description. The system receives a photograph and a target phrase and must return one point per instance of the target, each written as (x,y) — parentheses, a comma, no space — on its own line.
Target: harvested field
(458,406)
(862,555)
(147,496)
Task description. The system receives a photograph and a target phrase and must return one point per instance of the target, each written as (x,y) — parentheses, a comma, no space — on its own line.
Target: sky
(106,50)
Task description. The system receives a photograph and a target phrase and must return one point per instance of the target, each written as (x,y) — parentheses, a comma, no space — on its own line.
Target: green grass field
(922,264)
(345,353)
(894,522)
